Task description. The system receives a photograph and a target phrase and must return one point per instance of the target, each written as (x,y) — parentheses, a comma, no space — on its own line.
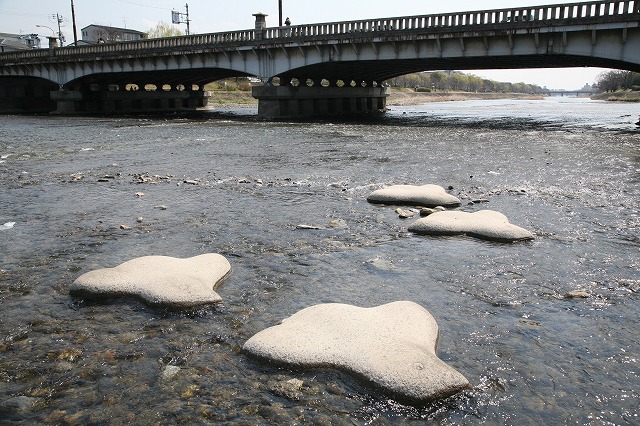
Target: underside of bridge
(138,92)
(380,70)
(19,95)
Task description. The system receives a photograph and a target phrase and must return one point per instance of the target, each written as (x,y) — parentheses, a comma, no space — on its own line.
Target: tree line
(611,81)
(455,80)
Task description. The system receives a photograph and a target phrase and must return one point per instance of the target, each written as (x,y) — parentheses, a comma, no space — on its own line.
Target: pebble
(404,214)
(290,389)
(577,294)
(338,224)
(7,225)
(302,226)
(426,211)
(170,371)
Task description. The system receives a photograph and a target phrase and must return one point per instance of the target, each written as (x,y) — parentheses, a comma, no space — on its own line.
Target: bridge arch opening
(26,95)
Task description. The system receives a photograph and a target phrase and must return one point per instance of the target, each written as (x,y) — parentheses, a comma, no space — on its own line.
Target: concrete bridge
(327,68)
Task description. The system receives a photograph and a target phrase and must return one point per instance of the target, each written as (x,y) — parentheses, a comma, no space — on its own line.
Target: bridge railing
(547,15)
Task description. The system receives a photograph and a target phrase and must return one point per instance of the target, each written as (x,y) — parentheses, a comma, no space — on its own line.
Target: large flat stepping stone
(158,280)
(485,224)
(414,195)
(391,345)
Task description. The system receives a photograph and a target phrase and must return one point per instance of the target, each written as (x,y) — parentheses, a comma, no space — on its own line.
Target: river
(85,192)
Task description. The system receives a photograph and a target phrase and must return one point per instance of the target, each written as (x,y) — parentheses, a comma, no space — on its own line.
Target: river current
(86,193)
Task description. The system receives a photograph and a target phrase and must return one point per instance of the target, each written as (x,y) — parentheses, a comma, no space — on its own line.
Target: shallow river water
(566,169)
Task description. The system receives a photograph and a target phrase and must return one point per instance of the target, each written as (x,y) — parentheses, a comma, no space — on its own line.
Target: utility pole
(279,13)
(73,18)
(59,19)
(187,8)
(177,17)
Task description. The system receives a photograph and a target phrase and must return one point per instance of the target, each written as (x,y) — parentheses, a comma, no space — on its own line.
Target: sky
(208,16)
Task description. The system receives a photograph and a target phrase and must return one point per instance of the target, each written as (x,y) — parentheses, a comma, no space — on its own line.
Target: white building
(17,42)
(97,33)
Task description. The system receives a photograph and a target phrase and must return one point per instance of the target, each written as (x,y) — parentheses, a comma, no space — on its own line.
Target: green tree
(458,81)
(475,83)
(164,30)
(610,81)
(439,79)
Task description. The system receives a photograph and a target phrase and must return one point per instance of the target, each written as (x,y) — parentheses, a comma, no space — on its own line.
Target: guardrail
(547,15)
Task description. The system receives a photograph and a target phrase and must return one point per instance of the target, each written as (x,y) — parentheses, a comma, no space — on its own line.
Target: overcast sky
(22,16)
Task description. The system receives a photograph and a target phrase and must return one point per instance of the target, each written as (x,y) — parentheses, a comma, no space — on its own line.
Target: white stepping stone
(392,345)
(160,280)
(415,195)
(486,224)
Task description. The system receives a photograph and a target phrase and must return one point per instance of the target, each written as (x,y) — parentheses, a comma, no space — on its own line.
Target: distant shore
(399,97)
(403,98)
(628,96)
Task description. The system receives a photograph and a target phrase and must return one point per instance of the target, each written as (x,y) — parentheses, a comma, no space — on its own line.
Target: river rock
(17,404)
(7,225)
(404,214)
(577,294)
(391,345)
(423,195)
(485,224)
(158,280)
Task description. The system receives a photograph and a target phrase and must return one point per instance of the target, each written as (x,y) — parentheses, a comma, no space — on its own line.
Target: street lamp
(44,26)
(53,37)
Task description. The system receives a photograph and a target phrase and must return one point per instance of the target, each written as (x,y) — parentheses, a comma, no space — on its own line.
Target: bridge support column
(127,102)
(291,102)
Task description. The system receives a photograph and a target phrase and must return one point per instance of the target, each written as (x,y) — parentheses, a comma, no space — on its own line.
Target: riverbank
(397,97)
(627,96)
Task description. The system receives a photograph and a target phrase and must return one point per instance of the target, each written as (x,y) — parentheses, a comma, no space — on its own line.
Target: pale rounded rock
(416,195)
(485,224)
(392,345)
(158,280)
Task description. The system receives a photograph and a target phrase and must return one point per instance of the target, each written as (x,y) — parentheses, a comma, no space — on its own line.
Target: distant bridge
(319,68)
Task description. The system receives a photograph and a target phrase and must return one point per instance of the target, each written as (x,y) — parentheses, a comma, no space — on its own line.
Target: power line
(143,5)
(25,14)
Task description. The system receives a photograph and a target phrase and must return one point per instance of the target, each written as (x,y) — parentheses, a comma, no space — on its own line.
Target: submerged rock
(404,214)
(169,372)
(577,294)
(17,404)
(423,195)
(392,345)
(159,280)
(486,224)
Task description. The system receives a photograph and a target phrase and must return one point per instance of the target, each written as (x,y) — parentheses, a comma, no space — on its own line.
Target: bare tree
(164,30)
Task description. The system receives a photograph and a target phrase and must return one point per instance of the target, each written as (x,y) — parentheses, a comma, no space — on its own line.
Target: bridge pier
(127,102)
(304,101)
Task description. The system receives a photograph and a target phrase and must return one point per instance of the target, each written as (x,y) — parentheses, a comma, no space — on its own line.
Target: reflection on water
(566,169)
